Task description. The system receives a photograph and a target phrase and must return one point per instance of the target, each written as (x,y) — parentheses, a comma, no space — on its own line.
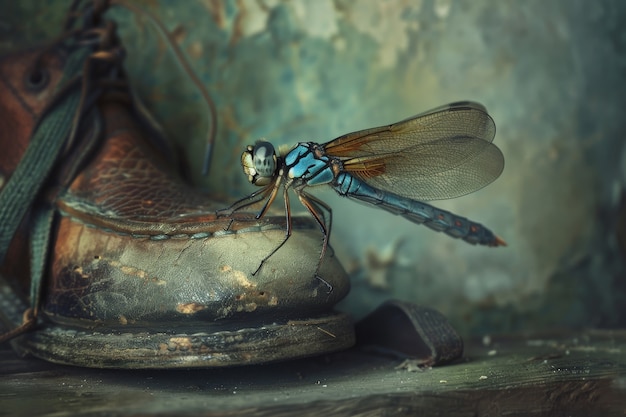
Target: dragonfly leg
(270,200)
(250,200)
(267,193)
(247,201)
(287,219)
(317,208)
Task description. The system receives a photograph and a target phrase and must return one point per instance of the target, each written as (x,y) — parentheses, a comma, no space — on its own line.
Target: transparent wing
(443,153)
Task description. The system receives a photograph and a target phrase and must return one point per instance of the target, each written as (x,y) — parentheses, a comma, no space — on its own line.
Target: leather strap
(409,331)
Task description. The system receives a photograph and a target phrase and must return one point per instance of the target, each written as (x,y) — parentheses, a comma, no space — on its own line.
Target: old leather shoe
(138,271)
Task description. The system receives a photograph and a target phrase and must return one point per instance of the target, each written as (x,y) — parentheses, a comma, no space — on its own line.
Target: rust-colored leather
(135,245)
(129,180)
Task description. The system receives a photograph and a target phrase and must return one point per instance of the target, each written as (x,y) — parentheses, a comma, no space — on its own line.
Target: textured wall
(551,73)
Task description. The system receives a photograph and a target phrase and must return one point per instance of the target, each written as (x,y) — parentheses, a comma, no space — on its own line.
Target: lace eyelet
(37,80)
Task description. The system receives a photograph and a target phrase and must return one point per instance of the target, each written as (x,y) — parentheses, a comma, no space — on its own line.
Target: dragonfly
(443,153)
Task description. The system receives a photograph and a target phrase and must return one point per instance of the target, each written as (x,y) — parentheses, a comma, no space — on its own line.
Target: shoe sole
(143,350)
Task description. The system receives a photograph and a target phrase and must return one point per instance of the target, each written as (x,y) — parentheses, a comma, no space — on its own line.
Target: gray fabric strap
(39,246)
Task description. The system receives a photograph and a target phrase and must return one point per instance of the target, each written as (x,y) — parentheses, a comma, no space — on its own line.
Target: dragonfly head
(259,162)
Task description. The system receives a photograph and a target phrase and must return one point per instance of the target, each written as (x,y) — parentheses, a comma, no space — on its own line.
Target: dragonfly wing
(456,119)
(444,153)
(423,178)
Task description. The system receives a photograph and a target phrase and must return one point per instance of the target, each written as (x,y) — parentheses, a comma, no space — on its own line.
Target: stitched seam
(164,236)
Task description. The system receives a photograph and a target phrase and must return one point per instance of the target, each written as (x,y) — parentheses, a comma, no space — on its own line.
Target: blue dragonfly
(443,153)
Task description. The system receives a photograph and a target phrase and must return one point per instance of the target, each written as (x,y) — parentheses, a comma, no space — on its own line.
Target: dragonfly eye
(259,163)
(264,157)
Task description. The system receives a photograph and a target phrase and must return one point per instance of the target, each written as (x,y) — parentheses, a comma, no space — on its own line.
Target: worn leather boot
(130,266)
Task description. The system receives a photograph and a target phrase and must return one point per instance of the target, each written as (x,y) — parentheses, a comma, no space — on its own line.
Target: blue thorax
(302,163)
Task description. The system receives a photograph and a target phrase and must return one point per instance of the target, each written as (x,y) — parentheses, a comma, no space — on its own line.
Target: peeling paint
(442,8)
(385,22)
(318,19)
(252,19)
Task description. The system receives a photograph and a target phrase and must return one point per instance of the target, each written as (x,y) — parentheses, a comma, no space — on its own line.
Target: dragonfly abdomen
(417,211)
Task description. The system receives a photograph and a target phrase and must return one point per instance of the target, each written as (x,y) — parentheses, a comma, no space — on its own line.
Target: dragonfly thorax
(306,164)
(259,163)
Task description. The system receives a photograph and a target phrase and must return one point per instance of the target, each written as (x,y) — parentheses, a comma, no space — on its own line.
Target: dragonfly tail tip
(499,242)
